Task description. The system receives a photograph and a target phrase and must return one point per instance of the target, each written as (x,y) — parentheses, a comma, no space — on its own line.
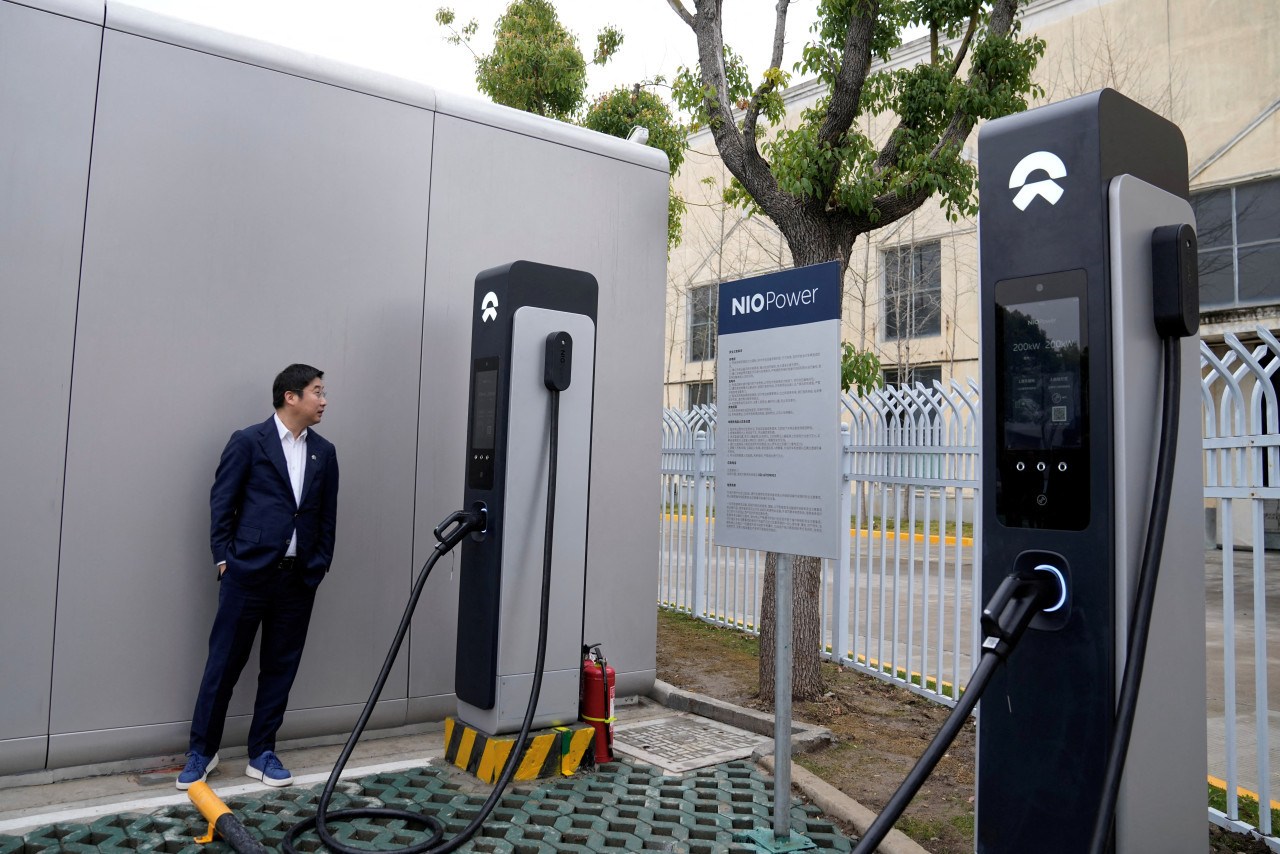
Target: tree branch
(775,61)
(737,151)
(964,43)
(715,97)
(846,89)
(685,14)
(999,23)
(893,207)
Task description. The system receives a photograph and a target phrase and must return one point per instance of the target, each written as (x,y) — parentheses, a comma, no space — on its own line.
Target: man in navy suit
(273,511)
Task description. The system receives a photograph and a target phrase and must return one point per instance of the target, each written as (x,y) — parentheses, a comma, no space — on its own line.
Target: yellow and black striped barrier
(549,753)
(223,821)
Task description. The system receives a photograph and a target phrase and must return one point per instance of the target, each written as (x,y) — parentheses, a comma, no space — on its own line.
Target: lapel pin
(313,456)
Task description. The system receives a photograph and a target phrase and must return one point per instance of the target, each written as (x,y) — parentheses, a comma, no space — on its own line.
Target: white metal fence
(899,602)
(1242,492)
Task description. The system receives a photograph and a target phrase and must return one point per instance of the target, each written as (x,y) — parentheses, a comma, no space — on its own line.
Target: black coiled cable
(463,522)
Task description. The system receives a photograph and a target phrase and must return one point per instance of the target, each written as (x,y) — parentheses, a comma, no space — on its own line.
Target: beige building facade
(911,291)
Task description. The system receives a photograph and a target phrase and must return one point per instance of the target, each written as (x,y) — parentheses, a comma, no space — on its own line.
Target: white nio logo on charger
(1045,161)
(489,307)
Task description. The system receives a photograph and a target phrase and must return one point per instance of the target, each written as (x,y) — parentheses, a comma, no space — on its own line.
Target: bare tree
(1092,54)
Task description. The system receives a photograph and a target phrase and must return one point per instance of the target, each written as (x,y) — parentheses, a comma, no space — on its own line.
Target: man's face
(309,405)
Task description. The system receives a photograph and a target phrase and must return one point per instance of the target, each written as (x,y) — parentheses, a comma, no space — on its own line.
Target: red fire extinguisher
(596,700)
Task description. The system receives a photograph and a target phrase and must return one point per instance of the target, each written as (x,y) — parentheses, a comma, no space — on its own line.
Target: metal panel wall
(239,219)
(500,196)
(48,79)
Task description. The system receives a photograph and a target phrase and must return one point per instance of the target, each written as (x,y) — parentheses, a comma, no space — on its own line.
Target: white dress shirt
(295,455)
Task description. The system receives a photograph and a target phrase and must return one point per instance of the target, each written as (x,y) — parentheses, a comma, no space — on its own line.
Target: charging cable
(1140,626)
(1004,621)
(449,533)
(1176,303)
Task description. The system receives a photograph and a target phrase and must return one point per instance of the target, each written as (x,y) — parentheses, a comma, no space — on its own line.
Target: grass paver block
(618,807)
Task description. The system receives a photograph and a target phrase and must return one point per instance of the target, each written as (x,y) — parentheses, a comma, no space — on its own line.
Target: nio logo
(489,307)
(1044,161)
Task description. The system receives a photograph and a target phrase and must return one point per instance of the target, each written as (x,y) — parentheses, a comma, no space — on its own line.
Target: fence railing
(1242,494)
(899,602)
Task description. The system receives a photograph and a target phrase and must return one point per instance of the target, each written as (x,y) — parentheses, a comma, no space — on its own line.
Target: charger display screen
(484,409)
(1042,353)
(481,453)
(1042,401)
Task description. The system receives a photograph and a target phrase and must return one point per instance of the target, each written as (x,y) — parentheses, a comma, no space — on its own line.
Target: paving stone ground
(617,807)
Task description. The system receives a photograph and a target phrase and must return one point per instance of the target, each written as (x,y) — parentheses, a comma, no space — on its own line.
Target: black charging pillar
(1049,467)
(516,307)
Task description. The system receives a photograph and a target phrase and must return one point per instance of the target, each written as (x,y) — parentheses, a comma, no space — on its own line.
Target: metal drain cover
(684,742)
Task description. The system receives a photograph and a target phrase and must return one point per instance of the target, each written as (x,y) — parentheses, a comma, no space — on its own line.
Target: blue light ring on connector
(1062,585)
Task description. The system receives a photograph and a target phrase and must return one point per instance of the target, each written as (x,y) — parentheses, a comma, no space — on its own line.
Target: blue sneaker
(197,769)
(269,770)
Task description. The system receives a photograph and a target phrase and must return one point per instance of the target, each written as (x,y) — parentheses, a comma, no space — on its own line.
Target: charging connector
(460,523)
(1018,599)
(558,367)
(1175,279)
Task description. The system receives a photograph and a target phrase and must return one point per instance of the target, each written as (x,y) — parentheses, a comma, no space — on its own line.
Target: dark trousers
(281,605)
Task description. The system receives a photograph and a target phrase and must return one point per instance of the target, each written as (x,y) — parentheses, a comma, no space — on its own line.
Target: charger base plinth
(552,752)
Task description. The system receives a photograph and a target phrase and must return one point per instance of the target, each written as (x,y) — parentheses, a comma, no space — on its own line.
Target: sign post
(782,699)
(778,457)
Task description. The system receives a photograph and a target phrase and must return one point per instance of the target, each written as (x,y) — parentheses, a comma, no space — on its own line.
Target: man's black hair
(294,378)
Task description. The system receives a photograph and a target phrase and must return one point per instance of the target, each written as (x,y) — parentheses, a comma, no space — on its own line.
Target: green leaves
(859,370)
(445,17)
(849,174)
(948,17)
(843,173)
(536,65)
(692,96)
(824,56)
(1005,66)
(617,112)
(607,44)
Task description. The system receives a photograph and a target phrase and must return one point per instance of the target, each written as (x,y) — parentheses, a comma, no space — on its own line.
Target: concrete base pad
(684,742)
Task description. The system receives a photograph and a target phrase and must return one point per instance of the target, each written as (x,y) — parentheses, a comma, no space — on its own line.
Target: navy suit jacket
(253,512)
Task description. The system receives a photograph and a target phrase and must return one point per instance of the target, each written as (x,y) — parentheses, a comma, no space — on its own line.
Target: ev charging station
(1071,194)
(529,320)
(527,317)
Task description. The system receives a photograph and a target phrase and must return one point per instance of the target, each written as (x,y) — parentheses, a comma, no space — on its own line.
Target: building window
(704,305)
(913,374)
(1238,231)
(913,290)
(699,394)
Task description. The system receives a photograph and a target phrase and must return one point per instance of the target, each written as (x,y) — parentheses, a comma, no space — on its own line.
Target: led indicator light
(1062,585)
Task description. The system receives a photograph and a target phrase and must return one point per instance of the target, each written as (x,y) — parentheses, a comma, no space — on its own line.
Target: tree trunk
(806,667)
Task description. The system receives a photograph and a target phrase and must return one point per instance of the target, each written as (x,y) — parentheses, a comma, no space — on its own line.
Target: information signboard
(778,426)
